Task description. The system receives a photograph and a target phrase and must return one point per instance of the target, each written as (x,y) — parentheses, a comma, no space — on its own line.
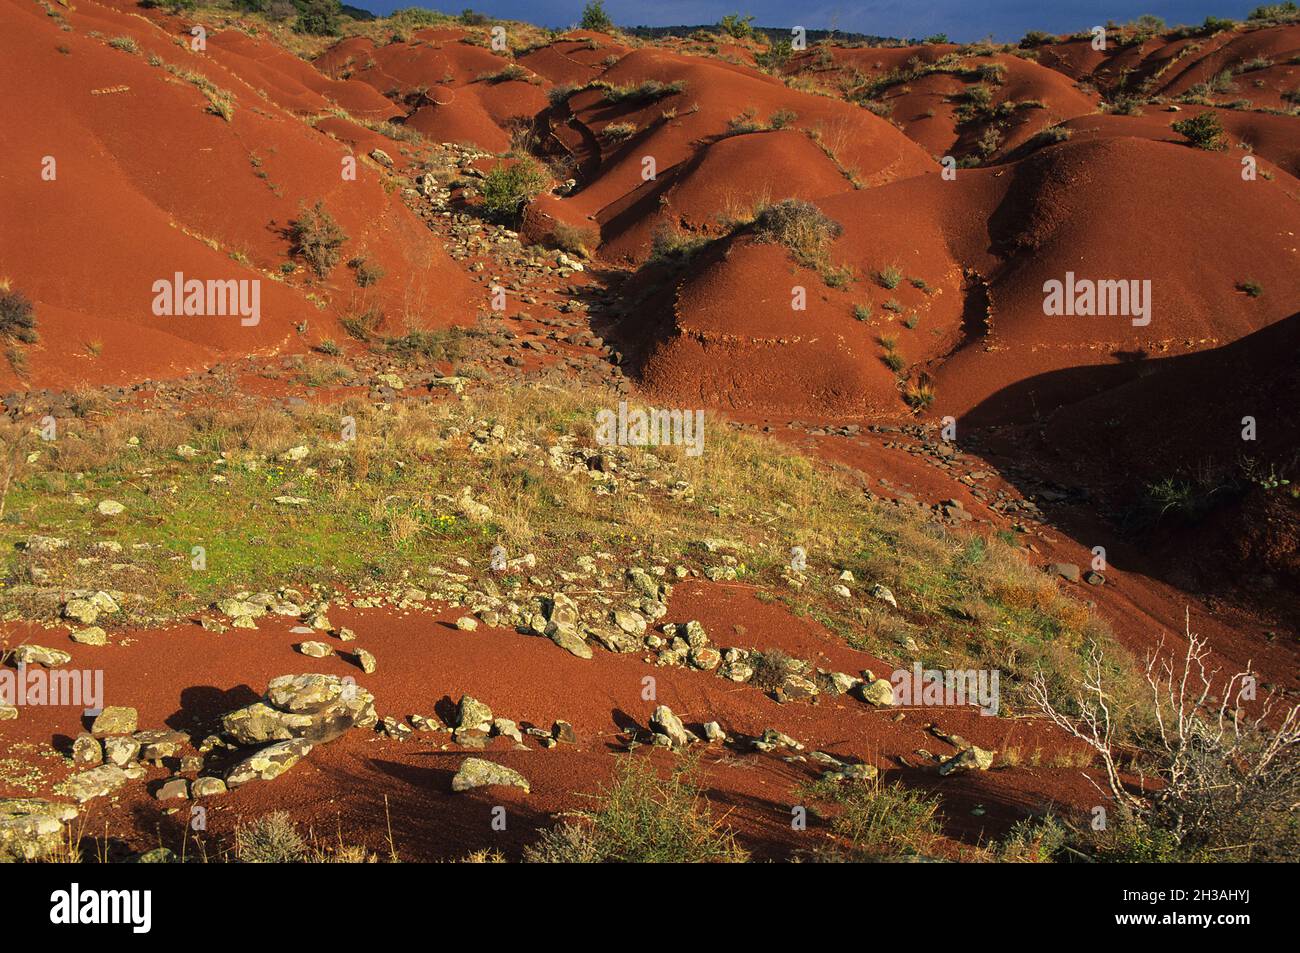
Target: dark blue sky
(962,20)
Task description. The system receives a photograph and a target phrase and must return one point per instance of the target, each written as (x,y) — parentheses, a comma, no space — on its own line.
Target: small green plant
(620,131)
(801,227)
(124,43)
(1251,287)
(17,319)
(1204,131)
(911,321)
(894,361)
(878,821)
(893,305)
(271,839)
(317,238)
(366,273)
(508,188)
(642,818)
(889,276)
(862,312)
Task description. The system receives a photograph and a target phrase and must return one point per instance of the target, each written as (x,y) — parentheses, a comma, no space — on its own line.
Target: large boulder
(317,708)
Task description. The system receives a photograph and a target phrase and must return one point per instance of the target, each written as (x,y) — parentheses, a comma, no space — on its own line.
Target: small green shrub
(508,188)
(642,818)
(317,238)
(17,319)
(1203,130)
(271,839)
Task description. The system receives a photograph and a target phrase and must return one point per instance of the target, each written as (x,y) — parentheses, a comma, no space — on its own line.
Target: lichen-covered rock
(317,708)
(115,720)
(207,787)
(41,655)
(473,715)
(567,638)
(87,751)
(121,750)
(479,773)
(97,782)
(91,635)
(315,649)
(664,722)
(268,763)
(877,692)
(32,828)
(160,743)
(968,759)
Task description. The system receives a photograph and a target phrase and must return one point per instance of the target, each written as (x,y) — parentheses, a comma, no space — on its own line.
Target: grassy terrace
(375,513)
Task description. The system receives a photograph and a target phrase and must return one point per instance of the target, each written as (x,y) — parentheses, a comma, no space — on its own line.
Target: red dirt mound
(981,249)
(212,199)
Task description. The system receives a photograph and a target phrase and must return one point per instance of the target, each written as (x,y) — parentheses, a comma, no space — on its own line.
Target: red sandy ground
(185,678)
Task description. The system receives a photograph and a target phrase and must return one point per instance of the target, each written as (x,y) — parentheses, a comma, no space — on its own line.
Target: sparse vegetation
(17,317)
(271,839)
(317,239)
(876,821)
(1203,130)
(642,818)
(507,188)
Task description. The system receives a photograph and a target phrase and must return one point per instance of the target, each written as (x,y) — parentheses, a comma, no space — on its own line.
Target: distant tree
(318,17)
(936,39)
(595,18)
(737,26)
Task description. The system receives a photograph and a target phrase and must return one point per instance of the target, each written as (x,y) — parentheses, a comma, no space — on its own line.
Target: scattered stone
(467,623)
(174,788)
(160,743)
(40,655)
(876,691)
(314,649)
(713,732)
(121,750)
(92,635)
(478,773)
(314,707)
(207,787)
(32,828)
(1067,571)
(1094,578)
(87,751)
(884,594)
(97,782)
(664,722)
(472,714)
(365,660)
(268,763)
(506,728)
(968,759)
(115,720)
(563,731)
(110,508)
